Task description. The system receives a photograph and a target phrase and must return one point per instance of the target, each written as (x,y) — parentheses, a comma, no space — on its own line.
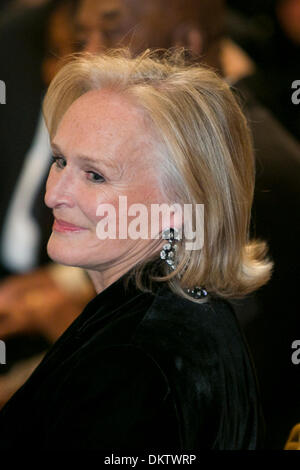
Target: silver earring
(168,253)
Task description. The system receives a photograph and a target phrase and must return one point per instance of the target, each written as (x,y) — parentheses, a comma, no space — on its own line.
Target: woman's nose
(59,189)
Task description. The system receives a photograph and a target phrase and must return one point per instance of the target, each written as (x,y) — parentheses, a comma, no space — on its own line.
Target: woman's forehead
(105,110)
(101,118)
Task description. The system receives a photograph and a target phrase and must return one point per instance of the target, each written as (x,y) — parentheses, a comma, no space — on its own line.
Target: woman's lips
(62,226)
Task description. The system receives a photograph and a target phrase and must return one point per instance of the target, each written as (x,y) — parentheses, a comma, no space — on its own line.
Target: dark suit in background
(22,48)
(274,322)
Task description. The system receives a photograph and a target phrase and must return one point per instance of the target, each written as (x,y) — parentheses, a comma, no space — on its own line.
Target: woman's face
(102,150)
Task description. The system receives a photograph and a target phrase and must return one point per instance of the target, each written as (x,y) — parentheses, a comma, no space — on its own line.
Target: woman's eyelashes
(59,161)
(93,176)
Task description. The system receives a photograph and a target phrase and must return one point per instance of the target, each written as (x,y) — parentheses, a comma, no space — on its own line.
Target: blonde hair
(207,159)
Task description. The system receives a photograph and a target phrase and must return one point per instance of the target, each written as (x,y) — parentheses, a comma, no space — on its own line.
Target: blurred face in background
(141,24)
(99,24)
(102,24)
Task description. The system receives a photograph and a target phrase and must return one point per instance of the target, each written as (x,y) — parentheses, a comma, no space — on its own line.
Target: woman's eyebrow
(55,147)
(108,162)
(95,161)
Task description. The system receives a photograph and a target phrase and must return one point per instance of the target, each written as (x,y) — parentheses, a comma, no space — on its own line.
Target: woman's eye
(95,177)
(60,162)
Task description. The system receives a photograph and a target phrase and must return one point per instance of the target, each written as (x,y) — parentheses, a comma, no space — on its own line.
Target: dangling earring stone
(197,292)
(169,249)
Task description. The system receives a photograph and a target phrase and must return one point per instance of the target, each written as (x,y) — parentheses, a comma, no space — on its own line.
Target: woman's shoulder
(200,349)
(178,332)
(170,312)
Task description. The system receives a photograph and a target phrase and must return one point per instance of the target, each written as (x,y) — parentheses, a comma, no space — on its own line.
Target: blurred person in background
(32,43)
(270,33)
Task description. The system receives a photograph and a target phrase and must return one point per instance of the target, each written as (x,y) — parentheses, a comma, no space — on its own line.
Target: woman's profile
(156,360)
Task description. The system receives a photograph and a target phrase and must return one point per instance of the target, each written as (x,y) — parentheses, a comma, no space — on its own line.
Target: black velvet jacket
(140,371)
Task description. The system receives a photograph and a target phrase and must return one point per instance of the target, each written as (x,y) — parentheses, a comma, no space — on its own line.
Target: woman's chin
(60,253)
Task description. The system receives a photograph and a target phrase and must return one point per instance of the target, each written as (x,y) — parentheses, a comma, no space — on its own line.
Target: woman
(156,360)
